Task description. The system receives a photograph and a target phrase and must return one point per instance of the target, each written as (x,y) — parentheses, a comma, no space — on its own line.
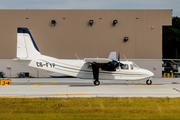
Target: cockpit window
(125,67)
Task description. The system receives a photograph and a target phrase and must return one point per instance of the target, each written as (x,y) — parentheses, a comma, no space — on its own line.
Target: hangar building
(62,33)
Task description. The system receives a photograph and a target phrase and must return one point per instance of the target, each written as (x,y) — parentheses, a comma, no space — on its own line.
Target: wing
(97,60)
(107,64)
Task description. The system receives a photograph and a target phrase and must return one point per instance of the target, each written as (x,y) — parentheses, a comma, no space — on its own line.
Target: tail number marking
(40,64)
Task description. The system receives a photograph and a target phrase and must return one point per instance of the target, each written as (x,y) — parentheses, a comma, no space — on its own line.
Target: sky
(92,4)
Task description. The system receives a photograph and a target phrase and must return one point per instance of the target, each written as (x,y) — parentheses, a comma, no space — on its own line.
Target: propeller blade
(119,60)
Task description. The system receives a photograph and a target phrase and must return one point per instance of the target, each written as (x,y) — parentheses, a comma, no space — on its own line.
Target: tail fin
(26,46)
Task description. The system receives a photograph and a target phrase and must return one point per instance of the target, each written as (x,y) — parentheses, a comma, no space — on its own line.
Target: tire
(96,82)
(149,82)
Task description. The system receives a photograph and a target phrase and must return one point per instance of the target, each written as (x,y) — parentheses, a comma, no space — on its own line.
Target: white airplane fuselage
(81,69)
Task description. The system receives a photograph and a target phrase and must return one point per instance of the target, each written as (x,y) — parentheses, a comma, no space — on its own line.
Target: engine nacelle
(110,66)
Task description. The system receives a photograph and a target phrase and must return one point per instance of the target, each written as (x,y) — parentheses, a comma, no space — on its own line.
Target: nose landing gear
(149,82)
(96,82)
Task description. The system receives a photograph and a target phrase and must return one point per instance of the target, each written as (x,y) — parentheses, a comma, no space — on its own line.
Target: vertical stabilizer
(26,46)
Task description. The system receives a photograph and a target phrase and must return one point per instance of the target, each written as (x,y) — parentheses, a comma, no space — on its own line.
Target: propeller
(119,56)
(119,64)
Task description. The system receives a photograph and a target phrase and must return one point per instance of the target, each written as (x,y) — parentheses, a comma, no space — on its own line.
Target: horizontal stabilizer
(26,59)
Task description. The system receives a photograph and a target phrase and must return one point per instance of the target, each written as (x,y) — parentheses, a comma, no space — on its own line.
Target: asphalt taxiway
(74,87)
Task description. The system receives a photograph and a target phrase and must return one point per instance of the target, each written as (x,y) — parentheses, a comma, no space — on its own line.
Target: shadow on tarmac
(81,85)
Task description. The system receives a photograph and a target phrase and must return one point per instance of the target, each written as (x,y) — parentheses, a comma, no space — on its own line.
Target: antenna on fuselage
(125,58)
(76,56)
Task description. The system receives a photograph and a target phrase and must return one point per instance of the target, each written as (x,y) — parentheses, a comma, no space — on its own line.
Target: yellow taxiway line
(45,83)
(50,95)
(146,84)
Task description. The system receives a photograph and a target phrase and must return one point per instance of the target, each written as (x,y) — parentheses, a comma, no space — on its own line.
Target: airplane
(89,68)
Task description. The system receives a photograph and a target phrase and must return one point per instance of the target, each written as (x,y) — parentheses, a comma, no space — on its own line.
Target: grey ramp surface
(32,91)
(77,81)
(74,87)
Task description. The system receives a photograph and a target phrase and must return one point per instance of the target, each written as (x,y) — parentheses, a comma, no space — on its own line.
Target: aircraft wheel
(96,82)
(149,82)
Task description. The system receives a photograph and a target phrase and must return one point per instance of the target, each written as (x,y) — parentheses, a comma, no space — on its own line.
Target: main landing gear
(149,82)
(96,74)
(96,82)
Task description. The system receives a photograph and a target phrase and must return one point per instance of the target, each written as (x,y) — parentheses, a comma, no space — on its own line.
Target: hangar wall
(73,34)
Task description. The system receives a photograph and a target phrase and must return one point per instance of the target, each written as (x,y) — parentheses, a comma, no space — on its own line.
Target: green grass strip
(89,108)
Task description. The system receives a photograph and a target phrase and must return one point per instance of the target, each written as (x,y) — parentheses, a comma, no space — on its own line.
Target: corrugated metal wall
(72,33)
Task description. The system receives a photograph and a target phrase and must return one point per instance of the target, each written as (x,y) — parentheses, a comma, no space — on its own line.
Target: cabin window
(125,67)
(131,67)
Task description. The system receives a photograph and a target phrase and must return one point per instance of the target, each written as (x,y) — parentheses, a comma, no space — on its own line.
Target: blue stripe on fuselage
(90,71)
(26,30)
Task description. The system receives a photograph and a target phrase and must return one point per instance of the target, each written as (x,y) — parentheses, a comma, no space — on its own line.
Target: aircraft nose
(150,73)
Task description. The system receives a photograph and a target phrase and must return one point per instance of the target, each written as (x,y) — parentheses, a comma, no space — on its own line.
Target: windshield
(135,66)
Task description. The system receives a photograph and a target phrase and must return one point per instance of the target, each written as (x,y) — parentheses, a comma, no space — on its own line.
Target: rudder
(26,46)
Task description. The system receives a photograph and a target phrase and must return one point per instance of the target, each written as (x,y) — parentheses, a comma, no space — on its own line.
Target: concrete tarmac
(74,87)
